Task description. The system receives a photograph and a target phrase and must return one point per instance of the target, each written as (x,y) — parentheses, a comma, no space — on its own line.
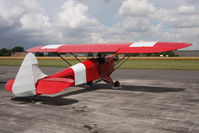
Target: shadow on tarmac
(2,82)
(59,100)
(123,88)
(48,100)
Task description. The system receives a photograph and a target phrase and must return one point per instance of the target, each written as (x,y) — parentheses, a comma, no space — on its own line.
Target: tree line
(168,53)
(8,52)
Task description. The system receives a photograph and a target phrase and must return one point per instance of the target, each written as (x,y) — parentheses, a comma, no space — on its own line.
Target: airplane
(31,81)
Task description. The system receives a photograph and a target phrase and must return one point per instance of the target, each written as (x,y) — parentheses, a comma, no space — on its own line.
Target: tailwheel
(33,99)
(116,84)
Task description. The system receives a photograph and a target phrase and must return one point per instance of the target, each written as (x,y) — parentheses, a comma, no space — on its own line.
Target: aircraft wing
(136,47)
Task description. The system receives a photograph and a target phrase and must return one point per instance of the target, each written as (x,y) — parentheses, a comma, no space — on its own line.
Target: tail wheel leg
(33,99)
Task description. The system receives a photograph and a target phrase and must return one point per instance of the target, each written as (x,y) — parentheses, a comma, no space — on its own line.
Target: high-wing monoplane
(31,81)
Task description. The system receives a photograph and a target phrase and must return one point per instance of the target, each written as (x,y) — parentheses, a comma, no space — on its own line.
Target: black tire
(89,83)
(117,83)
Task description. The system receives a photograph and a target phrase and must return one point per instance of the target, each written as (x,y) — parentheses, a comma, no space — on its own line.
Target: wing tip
(185,44)
(189,44)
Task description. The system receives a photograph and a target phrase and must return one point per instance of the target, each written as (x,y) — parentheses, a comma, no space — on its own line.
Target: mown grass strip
(162,64)
(130,64)
(84,58)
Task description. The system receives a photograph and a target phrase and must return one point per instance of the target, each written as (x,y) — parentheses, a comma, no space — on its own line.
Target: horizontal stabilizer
(9,84)
(53,85)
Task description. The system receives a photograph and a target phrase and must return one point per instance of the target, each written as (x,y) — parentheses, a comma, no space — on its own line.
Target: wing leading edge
(136,47)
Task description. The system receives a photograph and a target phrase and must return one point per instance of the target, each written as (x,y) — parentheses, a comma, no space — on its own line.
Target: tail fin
(27,76)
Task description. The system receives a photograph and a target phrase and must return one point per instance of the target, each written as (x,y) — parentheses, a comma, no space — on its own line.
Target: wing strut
(64,59)
(118,61)
(123,60)
(75,57)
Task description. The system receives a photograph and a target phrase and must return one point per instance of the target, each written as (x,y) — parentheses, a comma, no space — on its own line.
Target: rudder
(27,76)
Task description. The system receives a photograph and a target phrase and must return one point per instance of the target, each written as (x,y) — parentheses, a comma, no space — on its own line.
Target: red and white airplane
(31,81)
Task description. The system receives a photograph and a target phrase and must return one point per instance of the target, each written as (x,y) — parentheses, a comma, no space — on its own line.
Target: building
(18,54)
(187,53)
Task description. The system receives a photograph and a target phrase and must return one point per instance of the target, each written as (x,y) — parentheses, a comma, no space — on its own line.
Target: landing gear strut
(33,99)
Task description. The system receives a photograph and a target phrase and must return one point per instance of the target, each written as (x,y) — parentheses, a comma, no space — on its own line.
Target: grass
(162,64)
(47,62)
(144,63)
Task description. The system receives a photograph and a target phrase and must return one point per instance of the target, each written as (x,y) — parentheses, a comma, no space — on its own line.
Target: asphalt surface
(150,101)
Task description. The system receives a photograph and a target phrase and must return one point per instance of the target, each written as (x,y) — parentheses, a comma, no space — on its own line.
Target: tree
(133,54)
(4,52)
(52,54)
(169,53)
(90,54)
(17,49)
(39,54)
(147,54)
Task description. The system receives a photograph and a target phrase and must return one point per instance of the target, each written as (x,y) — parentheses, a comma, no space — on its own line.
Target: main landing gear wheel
(116,84)
(89,84)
